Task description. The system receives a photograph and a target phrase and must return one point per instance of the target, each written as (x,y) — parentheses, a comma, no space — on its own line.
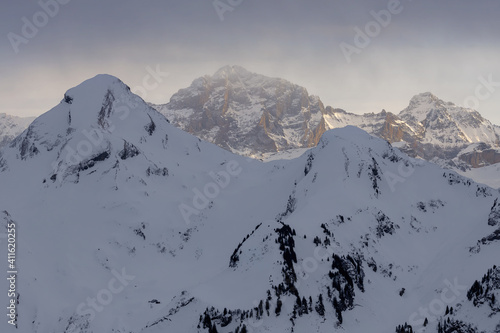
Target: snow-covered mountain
(127,224)
(254,115)
(247,113)
(11,127)
(489,175)
(258,116)
(443,130)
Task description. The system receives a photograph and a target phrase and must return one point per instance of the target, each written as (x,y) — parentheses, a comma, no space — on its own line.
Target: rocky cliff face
(444,130)
(481,157)
(248,113)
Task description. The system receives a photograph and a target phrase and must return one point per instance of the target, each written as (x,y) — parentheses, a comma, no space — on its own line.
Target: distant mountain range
(254,115)
(257,116)
(125,223)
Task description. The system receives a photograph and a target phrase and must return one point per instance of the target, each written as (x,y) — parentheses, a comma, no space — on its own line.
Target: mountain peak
(94,87)
(231,70)
(96,118)
(421,105)
(425,98)
(347,133)
(247,113)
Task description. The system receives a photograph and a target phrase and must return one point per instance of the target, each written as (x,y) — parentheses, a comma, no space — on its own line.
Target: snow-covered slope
(11,127)
(128,224)
(489,175)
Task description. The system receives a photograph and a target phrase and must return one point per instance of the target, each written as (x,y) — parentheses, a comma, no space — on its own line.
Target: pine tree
(320,307)
(297,309)
(261,309)
(278,307)
(213,329)
(339,316)
(304,305)
(337,310)
(426,322)
(207,322)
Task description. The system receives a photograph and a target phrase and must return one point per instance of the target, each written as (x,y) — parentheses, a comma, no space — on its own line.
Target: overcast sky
(442,46)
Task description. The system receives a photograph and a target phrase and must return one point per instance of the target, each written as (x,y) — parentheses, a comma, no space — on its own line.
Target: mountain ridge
(353,235)
(257,116)
(254,115)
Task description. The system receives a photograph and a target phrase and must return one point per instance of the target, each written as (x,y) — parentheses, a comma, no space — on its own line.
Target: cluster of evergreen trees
(290,205)
(287,247)
(494,217)
(484,291)
(327,241)
(346,273)
(374,175)
(384,225)
(393,157)
(308,166)
(128,151)
(456,179)
(448,325)
(233,261)
(212,317)
(404,328)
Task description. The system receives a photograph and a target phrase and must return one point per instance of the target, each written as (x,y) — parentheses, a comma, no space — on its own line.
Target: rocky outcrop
(11,127)
(478,159)
(248,113)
